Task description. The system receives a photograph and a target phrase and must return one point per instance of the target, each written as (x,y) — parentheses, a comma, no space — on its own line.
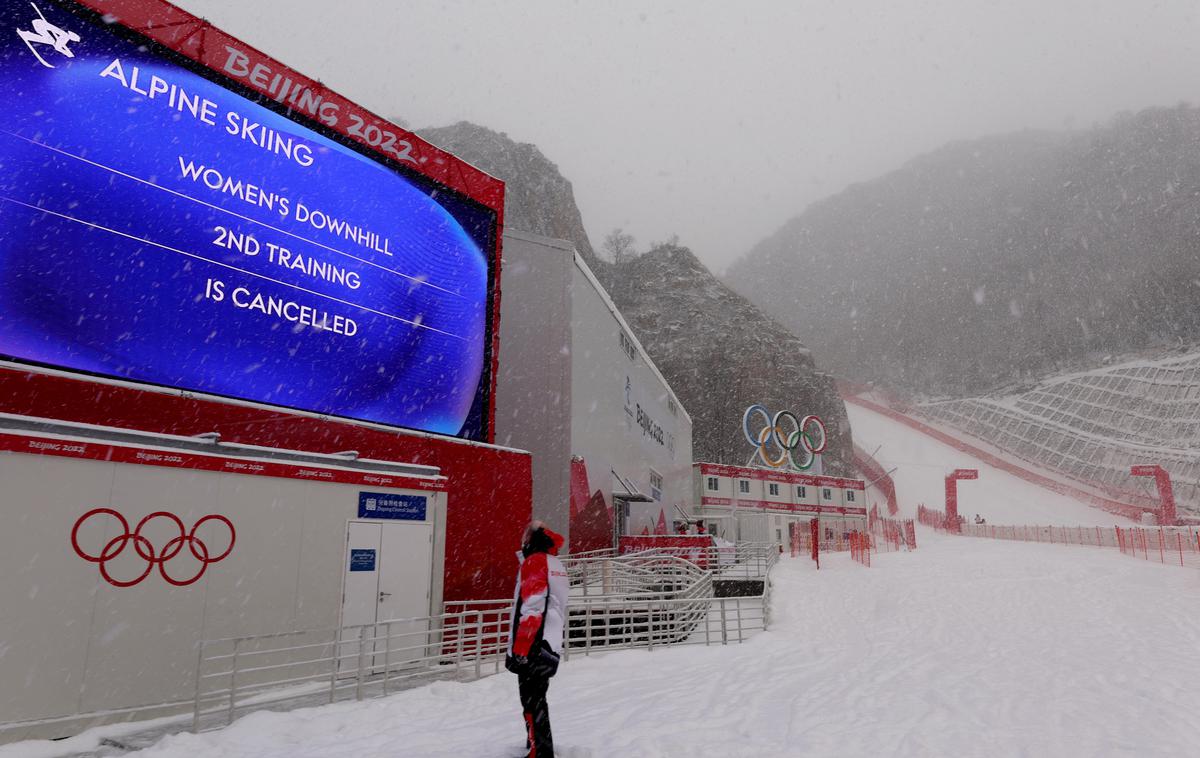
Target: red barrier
(815,533)
(1166,494)
(933,518)
(952,480)
(894,534)
(860,548)
(838,535)
(1133,541)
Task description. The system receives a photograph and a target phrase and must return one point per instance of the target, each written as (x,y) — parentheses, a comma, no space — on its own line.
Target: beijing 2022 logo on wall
(143,548)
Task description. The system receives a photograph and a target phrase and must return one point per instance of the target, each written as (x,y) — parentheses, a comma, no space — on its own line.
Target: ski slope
(922,463)
(965,647)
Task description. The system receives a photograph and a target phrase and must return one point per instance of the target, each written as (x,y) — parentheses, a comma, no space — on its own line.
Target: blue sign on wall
(384,505)
(157,225)
(362,560)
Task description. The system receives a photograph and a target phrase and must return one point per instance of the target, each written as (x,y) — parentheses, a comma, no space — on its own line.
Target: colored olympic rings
(785,434)
(145,549)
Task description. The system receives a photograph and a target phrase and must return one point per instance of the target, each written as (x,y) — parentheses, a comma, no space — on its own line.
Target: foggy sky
(719,120)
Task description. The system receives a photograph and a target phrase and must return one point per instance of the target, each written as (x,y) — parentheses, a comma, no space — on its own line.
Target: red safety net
(860,548)
(1165,544)
(934,518)
(894,534)
(814,530)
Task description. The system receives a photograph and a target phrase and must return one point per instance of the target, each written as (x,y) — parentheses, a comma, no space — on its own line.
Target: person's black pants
(537,714)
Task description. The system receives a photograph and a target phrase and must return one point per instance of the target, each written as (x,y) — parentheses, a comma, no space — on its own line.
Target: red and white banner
(802,508)
(71,448)
(766,475)
(696,548)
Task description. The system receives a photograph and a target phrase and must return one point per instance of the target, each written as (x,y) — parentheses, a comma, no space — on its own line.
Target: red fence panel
(1129,540)
(815,532)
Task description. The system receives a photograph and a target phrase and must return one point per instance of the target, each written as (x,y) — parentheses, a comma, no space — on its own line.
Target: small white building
(758,504)
(124,550)
(611,443)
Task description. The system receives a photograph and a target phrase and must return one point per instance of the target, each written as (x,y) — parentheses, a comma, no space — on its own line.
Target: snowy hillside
(1094,425)
(921,466)
(991,260)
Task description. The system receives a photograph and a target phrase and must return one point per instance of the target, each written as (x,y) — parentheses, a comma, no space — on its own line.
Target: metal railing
(596,623)
(652,600)
(647,570)
(604,552)
(644,572)
(325,665)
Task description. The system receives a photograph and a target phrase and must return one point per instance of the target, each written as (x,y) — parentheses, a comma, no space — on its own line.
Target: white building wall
(625,418)
(763,516)
(777,491)
(570,385)
(78,647)
(533,383)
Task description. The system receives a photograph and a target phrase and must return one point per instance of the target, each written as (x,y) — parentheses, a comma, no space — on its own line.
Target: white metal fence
(646,572)
(648,600)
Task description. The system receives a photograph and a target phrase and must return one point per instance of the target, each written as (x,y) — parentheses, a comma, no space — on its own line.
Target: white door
(405,576)
(360,600)
(405,572)
(388,573)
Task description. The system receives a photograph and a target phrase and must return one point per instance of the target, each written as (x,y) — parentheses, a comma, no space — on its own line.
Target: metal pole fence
(641,601)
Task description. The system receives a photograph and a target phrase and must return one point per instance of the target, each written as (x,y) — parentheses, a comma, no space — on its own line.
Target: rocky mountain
(999,259)
(719,352)
(538,198)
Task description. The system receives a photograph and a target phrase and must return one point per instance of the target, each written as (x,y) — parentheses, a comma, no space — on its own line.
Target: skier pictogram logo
(46,33)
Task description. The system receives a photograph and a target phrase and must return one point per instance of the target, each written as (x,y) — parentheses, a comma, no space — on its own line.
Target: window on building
(744,486)
(773,488)
(849,496)
(627,345)
(712,484)
(656,485)
(802,492)
(826,494)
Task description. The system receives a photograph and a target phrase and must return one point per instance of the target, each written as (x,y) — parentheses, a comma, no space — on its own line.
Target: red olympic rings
(145,549)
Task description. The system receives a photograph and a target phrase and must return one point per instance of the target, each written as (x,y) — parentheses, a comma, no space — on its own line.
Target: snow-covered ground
(965,647)
(922,464)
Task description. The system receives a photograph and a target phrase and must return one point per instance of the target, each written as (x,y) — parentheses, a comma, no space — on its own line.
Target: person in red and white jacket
(535,642)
